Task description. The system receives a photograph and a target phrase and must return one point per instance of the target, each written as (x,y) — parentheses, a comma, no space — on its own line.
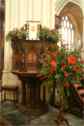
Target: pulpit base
(31,99)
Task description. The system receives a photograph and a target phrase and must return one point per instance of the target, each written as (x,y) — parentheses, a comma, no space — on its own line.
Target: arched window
(67,33)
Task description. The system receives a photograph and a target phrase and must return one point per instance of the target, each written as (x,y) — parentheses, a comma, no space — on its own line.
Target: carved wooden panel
(28,58)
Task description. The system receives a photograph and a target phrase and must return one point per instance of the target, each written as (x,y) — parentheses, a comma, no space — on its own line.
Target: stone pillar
(82,49)
(52,14)
(11,21)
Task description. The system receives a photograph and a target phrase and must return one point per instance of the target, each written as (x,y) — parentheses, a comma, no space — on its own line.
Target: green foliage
(48,35)
(43,33)
(66,71)
(16,34)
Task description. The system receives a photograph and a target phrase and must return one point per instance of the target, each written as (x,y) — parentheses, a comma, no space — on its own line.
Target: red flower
(82,61)
(65,74)
(76,68)
(63,66)
(66,85)
(72,59)
(53,65)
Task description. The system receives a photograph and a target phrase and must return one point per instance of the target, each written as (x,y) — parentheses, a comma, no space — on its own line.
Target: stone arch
(60,4)
(74,13)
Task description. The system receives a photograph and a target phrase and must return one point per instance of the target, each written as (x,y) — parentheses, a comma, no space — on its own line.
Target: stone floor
(49,119)
(19,118)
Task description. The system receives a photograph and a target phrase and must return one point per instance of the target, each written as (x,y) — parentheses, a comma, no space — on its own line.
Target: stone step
(80,91)
(76,86)
(82,95)
(82,99)
(80,87)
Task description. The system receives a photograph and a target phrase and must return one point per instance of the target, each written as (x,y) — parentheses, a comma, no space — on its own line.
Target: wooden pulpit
(28,72)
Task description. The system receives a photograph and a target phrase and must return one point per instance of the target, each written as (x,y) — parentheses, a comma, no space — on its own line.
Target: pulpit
(27,54)
(28,73)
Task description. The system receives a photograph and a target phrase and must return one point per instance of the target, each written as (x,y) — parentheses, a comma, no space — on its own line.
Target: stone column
(11,21)
(82,49)
(52,14)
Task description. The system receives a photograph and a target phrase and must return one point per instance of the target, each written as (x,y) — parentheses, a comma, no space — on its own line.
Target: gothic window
(67,33)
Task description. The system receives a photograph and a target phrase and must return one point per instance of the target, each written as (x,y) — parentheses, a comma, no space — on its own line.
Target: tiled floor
(19,118)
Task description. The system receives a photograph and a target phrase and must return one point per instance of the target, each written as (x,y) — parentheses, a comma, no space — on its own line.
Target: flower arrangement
(16,34)
(63,65)
(62,68)
(48,35)
(43,34)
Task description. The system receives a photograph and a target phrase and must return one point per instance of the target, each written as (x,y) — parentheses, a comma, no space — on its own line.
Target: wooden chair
(12,91)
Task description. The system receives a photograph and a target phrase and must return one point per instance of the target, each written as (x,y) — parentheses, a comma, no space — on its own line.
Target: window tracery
(67,33)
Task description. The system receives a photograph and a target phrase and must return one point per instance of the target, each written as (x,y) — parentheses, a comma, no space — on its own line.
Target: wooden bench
(11,91)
